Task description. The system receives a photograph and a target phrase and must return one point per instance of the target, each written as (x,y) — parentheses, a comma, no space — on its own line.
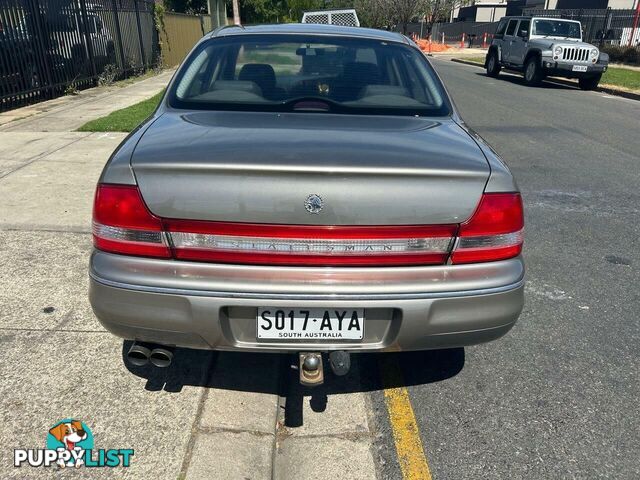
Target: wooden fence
(179,33)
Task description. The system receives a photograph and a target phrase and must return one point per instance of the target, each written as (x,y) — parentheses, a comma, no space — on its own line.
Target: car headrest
(250,87)
(260,73)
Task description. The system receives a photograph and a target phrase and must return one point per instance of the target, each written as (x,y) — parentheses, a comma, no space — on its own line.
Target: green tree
(186,6)
(298,7)
(262,11)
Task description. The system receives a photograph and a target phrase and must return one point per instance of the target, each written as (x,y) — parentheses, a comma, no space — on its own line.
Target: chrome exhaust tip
(161,356)
(138,354)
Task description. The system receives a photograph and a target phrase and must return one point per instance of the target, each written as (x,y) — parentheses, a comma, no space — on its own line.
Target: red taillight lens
(122,223)
(494,232)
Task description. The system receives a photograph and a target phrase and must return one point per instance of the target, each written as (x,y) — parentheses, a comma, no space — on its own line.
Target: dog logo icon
(71,435)
(70,443)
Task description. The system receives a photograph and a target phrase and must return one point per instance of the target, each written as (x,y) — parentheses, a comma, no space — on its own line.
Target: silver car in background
(305,188)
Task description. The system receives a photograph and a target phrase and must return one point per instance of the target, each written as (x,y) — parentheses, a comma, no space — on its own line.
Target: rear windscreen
(309,73)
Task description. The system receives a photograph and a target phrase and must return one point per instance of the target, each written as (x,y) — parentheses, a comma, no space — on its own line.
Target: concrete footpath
(69,112)
(211,415)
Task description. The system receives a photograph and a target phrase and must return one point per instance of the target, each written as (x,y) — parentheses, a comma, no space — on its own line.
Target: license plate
(579,68)
(279,323)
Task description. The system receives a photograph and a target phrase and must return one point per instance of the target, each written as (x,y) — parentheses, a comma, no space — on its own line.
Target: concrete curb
(611,91)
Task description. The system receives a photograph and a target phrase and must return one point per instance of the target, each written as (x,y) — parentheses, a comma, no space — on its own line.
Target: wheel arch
(533,53)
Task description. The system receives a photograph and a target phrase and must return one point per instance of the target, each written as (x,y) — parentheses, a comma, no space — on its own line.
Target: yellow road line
(406,435)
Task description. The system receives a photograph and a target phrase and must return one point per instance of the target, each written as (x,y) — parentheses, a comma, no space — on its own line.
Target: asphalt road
(558,396)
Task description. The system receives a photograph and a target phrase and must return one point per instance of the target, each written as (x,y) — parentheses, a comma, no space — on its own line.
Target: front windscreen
(556,28)
(309,73)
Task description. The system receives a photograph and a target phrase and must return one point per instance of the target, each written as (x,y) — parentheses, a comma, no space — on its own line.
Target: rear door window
(523,29)
(511,29)
(502,26)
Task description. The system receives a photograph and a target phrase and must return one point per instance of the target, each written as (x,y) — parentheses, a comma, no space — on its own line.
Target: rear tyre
(589,83)
(533,74)
(493,65)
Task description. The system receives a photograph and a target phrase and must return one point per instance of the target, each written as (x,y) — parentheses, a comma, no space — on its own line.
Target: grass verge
(614,76)
(622,77)
(123,120)
(473,59)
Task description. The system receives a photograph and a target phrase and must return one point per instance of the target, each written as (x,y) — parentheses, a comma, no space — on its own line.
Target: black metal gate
(48,45)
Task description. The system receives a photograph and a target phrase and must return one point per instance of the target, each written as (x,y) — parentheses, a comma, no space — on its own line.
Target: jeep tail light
(494,232)
(122,223)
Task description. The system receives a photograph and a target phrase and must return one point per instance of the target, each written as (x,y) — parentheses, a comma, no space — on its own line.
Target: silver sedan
(305,188)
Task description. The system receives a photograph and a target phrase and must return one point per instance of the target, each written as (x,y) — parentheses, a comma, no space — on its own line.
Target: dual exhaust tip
(142,353)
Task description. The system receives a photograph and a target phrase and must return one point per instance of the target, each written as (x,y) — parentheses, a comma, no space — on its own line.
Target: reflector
(310,245)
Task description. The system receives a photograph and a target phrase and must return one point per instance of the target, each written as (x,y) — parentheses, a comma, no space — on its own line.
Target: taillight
(122,223)
(494,232)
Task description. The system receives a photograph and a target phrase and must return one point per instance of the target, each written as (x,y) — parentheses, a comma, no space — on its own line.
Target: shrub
(620,54)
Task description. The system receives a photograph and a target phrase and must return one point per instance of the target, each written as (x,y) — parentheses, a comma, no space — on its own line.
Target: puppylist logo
(70,444)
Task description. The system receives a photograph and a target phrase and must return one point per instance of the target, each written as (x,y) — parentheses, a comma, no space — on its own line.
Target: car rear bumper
(214,306)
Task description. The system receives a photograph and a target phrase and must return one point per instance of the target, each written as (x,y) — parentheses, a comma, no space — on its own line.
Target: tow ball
(311,368)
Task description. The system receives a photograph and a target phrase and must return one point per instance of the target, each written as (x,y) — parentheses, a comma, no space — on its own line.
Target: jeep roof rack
(346,17)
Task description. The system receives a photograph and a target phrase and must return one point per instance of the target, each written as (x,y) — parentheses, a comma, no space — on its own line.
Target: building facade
(480,11)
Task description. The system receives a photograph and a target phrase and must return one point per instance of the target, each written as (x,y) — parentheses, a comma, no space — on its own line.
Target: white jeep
(541,47)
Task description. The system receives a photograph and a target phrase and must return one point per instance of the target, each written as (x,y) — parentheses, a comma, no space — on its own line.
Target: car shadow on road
(277,374)
(370,372)
(519,80)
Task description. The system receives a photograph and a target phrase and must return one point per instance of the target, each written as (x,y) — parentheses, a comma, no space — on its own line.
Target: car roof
(539,18)
(310,29)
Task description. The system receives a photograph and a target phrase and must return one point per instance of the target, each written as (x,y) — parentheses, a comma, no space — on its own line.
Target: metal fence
(602,26)
(453,31)
(48,45)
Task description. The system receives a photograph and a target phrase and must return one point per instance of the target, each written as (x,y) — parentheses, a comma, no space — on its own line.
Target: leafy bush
(108,75)
(619,54)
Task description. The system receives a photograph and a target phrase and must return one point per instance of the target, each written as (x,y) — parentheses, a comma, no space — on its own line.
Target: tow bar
(311,368)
